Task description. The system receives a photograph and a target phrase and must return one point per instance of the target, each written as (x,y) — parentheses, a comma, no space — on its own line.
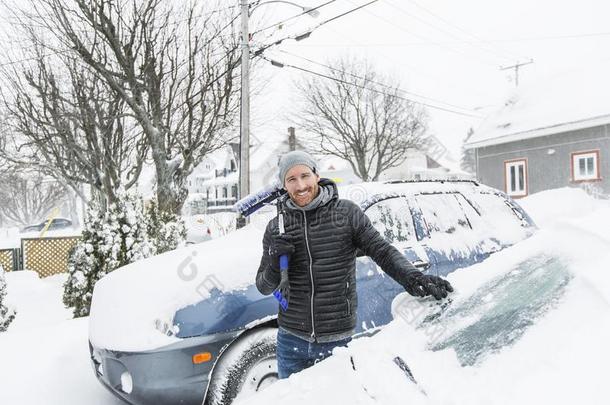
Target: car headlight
(126,382)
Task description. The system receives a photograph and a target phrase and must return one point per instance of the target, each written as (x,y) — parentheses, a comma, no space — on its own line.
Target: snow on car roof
(362,192)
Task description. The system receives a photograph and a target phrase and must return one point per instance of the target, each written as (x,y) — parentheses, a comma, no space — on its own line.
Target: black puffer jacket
(322,269)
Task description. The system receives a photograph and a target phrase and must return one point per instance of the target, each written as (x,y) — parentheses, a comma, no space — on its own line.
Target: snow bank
(44,357)
(37,301)
(560,358)
(49,365)
(560,205)
(132,304)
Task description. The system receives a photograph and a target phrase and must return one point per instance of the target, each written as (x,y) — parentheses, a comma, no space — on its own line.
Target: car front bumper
(162,376)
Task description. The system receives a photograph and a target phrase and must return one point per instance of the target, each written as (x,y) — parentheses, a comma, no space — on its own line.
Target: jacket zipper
(349,307)
(313,328)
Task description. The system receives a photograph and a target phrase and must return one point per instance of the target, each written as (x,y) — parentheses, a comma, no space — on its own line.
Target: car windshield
(500,311)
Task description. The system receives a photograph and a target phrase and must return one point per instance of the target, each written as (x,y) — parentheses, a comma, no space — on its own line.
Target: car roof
(364,194)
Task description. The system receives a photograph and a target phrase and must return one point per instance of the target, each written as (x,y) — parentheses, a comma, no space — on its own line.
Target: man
(322,236)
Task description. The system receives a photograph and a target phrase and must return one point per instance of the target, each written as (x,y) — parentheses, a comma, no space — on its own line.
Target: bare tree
(27,198)
(66,123)
(171,65)
(356,114)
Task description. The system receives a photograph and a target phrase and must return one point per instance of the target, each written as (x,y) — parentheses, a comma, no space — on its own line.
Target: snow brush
(252,203)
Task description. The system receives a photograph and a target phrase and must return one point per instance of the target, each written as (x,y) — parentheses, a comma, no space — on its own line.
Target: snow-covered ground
(44,355)
(556,354)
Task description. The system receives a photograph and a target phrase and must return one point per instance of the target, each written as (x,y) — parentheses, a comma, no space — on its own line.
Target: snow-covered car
(190,326)
(56,223)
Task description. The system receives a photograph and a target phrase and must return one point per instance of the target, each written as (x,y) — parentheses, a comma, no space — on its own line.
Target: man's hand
(280,245)
(421,285)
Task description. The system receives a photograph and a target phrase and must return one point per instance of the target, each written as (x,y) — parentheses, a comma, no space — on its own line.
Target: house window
(224,192)
(585,165)
(515,177)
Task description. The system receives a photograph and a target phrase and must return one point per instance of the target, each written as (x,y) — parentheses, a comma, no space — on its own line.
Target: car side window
(442,213)
(392,218)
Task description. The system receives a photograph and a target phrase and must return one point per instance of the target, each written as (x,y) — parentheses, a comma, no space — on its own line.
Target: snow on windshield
(500,311)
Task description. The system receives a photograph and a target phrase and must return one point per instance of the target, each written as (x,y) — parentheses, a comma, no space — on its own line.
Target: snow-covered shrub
(6,314)
(110,239)
(165,230)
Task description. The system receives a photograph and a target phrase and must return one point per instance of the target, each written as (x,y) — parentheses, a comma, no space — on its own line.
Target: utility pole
(516,67)
(244,145)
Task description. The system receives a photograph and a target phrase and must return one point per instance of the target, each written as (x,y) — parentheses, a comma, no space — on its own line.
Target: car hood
(133,306)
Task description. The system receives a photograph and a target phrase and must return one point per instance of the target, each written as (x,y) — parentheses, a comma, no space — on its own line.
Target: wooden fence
(47,256)
(9,259)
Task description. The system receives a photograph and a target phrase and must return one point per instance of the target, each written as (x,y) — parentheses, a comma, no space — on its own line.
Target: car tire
(247,366)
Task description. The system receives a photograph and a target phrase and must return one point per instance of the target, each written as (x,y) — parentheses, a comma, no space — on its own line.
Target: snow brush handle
(283,262)
(283,258)
(277,294)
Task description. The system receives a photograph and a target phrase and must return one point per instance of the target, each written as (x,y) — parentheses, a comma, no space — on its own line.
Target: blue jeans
(295,354)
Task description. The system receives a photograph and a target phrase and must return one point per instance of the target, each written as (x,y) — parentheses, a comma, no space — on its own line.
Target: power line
(281,64)
(493,52)
(373,81)
(424,38)
(410,68)
(308,32)
(517,66)
(308,11)
(449,23)
(54,53)
(543,38)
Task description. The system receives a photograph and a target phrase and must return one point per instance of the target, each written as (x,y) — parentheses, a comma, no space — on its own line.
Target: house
(551,134)
(213,186)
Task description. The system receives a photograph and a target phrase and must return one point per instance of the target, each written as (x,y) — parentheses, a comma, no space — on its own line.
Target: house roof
(564,102)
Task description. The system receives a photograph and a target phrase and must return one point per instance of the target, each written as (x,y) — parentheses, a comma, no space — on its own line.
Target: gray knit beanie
(294,158)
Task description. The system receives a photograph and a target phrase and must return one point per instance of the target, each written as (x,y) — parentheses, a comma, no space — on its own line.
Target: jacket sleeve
(267,278)
(368,240)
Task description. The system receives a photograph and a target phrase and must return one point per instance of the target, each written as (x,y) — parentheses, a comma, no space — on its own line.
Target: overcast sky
(448,51)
